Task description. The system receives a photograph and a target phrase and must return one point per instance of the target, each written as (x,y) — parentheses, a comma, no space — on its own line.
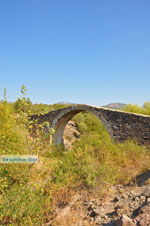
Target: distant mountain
(115,105)
(64,103)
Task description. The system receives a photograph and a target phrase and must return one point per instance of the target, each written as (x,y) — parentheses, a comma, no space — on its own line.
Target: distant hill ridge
(115,105)
(112,105)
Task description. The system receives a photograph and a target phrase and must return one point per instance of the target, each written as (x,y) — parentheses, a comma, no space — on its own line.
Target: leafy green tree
(23,104)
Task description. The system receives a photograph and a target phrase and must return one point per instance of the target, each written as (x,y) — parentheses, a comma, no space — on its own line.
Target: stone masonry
(120,125)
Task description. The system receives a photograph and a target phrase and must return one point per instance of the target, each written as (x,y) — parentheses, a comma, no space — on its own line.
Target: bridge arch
(120,125)
(60,122)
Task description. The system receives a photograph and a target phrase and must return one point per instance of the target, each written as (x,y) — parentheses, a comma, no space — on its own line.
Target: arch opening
(61,122)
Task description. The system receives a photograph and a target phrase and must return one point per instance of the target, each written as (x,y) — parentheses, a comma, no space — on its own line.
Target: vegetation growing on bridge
(29,193)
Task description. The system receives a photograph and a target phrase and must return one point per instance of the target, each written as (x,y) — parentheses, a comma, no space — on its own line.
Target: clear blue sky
(82,51)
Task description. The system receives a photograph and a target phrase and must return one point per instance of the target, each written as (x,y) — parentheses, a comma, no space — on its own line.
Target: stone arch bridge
(120,125)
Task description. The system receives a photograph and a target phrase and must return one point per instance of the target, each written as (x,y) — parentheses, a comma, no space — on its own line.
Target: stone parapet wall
(120,125)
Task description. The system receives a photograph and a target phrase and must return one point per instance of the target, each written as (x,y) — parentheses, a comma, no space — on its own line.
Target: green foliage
(95,161)
(137,109)
(146,107)
(88,123)
(23,104)
(26,190)
(21,204)
(23,90)
(12,138)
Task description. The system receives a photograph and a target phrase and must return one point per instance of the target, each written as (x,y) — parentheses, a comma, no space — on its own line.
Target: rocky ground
(71,134)
(127,205)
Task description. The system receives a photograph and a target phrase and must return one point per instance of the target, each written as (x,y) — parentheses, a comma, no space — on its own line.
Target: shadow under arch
(64,117)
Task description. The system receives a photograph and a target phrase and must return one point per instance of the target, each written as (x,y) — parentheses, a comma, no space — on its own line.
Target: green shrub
(21,204)
(12,135)
(137,109)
